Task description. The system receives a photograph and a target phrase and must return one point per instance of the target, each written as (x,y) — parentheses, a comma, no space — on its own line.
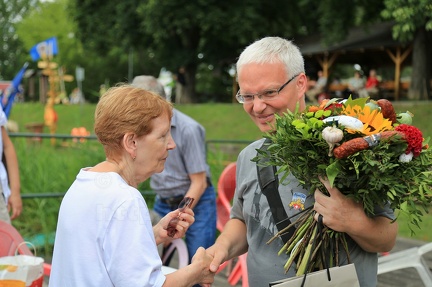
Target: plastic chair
(183,255)
(11,242)
(238,272)
(411,257)
(226,189)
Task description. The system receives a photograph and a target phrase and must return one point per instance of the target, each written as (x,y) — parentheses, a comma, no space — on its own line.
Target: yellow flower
(373,120)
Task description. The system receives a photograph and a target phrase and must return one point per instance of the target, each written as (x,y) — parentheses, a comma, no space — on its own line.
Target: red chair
(11,242)
(226,189)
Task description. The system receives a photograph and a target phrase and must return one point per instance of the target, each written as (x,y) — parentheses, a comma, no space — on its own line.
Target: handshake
(174,226)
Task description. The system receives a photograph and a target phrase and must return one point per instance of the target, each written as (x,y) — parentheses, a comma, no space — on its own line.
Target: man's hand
(339,212)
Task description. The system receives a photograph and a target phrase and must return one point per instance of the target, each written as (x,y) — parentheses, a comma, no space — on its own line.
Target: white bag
(341,276)
(21,271)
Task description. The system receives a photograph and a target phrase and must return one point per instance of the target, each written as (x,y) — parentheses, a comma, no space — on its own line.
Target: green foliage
(409,16)
(54,19)
(103,37)
(51,19)
(166,31)
(12,52)
(333,19)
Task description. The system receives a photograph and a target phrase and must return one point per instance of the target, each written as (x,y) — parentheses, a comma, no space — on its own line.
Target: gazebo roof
(363,45)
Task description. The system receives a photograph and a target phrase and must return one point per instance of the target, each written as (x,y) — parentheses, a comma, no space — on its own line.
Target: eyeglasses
(186,202)
(266,95)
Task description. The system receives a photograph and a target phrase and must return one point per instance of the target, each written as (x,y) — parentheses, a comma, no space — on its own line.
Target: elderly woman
(104,235)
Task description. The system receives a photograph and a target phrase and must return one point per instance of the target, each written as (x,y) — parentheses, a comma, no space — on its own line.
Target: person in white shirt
(10,186)
(104,234)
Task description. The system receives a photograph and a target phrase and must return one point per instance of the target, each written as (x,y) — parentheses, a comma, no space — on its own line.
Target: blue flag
(47,48)
(8,96)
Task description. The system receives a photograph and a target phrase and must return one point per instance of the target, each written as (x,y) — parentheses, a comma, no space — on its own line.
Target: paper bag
(21,271)
(341,276)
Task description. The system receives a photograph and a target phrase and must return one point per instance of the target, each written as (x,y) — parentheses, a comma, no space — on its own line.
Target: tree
(336,17)
(185,33)
(46,20)
(12,52)
(414,22)
(51,19)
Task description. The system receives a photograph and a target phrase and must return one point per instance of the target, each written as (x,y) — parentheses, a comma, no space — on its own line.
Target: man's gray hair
(149,83)
(273,50)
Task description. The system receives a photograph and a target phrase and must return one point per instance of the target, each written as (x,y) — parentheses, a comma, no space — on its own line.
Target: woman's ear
(129,143)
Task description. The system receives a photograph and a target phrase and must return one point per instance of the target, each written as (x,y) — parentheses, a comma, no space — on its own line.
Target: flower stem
(307,256)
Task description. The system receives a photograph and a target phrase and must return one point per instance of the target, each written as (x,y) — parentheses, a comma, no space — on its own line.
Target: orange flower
(373,120)
(313,109)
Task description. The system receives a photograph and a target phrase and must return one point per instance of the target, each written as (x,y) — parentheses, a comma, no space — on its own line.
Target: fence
(230,148)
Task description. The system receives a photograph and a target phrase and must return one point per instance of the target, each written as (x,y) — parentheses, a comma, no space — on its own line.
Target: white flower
(332,135)
(406,157)
(347,121)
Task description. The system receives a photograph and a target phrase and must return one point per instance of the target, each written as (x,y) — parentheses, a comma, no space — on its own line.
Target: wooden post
(398,59)
(326,62)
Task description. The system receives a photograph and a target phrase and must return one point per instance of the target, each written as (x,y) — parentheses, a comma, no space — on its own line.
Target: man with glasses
(272,80)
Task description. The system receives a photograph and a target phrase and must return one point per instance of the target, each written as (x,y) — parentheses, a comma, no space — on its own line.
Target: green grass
(46,168)
(69,116)
(222,121)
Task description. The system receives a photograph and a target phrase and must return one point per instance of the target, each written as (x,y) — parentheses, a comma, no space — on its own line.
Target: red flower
(333,107)
(414,138)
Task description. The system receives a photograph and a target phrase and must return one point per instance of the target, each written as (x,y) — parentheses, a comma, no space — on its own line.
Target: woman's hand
(195,273)
(202,261)
(185,219)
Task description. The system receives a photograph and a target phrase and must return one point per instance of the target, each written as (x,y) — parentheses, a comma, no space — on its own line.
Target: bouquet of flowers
(363,148)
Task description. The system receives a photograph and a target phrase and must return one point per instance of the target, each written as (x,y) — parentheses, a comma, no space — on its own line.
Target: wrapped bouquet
(365,149)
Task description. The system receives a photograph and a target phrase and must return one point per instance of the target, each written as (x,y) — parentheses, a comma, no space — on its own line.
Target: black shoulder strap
(269,184)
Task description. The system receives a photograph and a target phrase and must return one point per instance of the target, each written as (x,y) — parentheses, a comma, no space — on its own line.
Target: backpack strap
(269,184)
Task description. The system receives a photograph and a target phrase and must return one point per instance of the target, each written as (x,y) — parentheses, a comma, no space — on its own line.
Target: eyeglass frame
(171,228)
(240,97)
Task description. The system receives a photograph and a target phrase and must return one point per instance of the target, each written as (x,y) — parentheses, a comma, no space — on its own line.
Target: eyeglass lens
(186,202)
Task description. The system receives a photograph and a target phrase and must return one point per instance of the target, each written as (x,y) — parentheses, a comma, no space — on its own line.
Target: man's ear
(302,83)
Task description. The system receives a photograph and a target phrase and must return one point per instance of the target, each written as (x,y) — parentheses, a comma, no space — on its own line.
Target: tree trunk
(420,87)
(190,95)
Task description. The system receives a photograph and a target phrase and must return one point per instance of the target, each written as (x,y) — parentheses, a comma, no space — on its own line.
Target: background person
(372,83)
(186,173)
(317,88)
(356,86)
(275,64)
(10,186)
(104,234)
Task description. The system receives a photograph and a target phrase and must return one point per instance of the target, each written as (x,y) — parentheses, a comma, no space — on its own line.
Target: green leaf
(319,113)
(332,172)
